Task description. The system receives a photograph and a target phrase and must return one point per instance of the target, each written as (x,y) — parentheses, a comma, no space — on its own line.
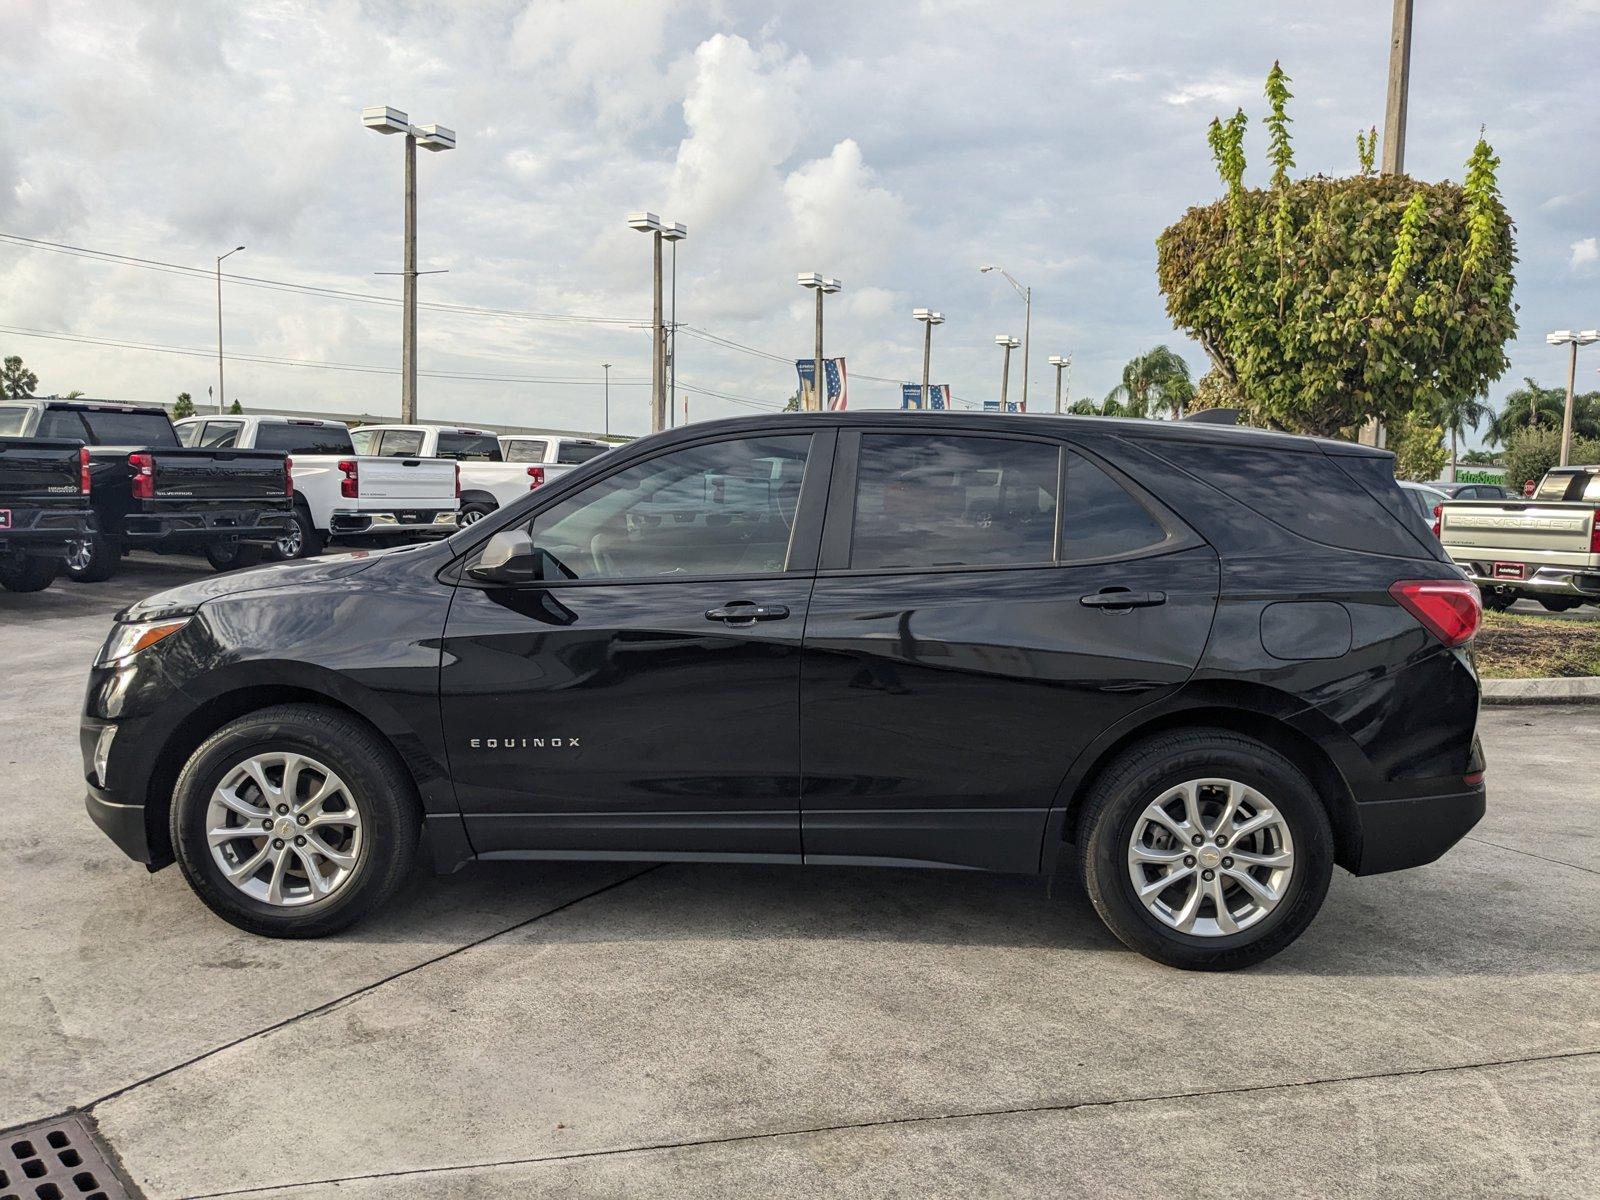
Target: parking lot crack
(367,988)
(1542,858)
(892,1122)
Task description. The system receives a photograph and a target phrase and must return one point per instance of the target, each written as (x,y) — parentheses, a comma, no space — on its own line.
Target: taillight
(458,481)
(144,476)
(1450,609)
(535,477)
(288,477)
(1438,518)
(350,485)
(85,480)
(1594,533)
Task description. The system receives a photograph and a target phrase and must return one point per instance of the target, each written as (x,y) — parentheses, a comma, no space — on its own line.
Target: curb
(1583,690)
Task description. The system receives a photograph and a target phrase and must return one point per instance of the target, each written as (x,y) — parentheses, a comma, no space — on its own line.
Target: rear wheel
(1560,603)
(294,821)
(229,553)
(27,573)
(1205,850)
(473,513)
(301,540)
(93,559)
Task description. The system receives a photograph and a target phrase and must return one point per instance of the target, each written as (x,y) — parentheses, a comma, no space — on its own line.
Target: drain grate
(57,1160)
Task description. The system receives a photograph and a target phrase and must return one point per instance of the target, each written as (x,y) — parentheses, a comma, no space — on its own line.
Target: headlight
(127,640)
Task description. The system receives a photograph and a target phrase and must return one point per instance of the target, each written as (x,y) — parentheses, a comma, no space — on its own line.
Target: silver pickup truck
(1546,548)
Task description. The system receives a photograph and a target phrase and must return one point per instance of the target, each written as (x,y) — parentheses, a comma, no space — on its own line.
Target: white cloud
(841,213)
(1584,251)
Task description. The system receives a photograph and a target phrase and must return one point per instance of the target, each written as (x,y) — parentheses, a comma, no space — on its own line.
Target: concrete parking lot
(599,1030)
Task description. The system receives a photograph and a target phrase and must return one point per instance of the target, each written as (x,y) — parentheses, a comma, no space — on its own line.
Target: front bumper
(350,524)
(246,522)
(1409,832)
(122,823)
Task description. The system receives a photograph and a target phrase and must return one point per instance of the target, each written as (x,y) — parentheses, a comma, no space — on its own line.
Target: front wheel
(1205,850)
(27,573)
(294,821)
(93,559)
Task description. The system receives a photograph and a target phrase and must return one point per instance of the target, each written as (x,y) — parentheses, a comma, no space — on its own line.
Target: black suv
(1007,643)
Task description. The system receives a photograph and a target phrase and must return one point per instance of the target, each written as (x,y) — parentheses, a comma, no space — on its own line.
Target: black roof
(86,404)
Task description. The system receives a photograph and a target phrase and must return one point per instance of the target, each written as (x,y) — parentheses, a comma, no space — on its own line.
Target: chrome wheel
(80,554)
(288,546)
(284,829)
(1210,857)
(471,516)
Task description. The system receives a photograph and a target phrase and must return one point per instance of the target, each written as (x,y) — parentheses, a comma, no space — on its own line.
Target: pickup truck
(44,504)
(488,481)
(339,494)
(553,454)
(1546,548)
(148,492)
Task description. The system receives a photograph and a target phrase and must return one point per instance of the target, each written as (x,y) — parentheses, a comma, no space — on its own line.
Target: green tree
(1458,416)
(1295,296)
(1417,441)
(73,394)
(236,408)
(184,407)
(1480,458)
(16,381)
(1155,381)
(1530,406)
(1529,454)
(792,404)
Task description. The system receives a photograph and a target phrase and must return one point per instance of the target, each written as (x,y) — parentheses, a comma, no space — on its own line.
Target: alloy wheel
(80,554)
(289,544)
(284,829)
(1210,857)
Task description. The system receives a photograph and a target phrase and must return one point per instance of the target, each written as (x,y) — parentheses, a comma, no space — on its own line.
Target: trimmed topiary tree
(1325,302)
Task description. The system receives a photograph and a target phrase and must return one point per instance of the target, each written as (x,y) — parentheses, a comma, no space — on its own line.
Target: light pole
(607,368)
(674,234)
(648,222)
(220,257)
(1565,337)
(431,137)
(1027,322)
(1008,343)
(929,319)
(819,380)
(1060,364)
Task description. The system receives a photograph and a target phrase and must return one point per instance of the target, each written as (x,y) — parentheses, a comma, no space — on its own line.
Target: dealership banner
(834,376)
(994,406)
(938,396)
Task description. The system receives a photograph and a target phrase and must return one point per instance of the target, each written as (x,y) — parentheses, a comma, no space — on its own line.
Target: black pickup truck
(44,504)
(148,492)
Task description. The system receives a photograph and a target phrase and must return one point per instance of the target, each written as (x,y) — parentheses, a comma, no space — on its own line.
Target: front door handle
(742,612)
(1119,597)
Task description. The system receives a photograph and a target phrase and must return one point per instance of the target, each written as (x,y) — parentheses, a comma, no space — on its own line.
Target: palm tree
(1156,380)
(1459,415)
(1531,405)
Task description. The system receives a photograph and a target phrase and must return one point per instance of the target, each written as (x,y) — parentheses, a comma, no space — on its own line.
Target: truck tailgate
(217,474)
(1533,526)
(38,469)
(406,482)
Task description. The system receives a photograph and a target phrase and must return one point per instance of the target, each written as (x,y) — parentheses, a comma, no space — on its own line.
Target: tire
(383,846)
(1559,603)
(27,573)
(1115,813)
(229,554)
(471,514)
(93,559)
(302,540)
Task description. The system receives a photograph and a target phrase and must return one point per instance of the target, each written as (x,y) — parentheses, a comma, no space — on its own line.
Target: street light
(1027,322)
(819,379)
(431,137)
(1060,364)
(648,222)
(220,257)
(1008,343)
(1565,337)
(607,368)
(929,319)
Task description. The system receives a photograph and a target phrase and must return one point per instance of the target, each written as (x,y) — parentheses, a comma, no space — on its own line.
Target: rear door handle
(1116,598)
(742,612)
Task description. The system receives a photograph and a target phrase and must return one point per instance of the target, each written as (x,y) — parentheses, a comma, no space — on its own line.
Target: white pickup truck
(556,453)
(487,480)
(338,493)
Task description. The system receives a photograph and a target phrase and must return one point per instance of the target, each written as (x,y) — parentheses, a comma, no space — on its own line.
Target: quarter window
(953,501)
(725,508)
(1101,518)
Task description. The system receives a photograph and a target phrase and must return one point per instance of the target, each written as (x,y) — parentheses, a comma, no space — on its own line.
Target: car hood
(190,596)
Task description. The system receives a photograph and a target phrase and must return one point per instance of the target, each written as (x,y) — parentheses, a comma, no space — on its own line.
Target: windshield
(108,427)
(579,452)
(469,447)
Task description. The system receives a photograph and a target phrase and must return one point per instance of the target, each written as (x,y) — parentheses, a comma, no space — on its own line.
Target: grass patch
(1519,646)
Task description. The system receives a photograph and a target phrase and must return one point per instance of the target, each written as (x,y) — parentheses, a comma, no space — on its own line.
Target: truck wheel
(227,554)
(294,821)
(26,573)
(302,539)
(1205,850)
(473,513)
(93,559)
(1560,603)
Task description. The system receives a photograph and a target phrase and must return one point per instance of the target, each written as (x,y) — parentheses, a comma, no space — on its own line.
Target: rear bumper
(43,531)
(1409,832)
(252,523)
(350,524)
(1557,581)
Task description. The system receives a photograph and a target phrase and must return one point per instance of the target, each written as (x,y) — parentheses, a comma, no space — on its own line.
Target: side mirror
(508,557)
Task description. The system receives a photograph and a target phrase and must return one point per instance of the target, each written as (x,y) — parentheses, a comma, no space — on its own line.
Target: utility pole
(1394,113)
(1026,292)
(607,367)
(648,222)
(1566,337)
(1007,343)
(1059,363)
(929,319)
(220,257)
(819,382)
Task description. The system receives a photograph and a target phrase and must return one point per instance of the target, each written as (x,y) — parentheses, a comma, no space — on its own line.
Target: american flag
(835,378)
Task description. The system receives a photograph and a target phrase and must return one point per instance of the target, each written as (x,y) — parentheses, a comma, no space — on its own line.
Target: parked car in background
(988,642)
(339,494)
(1545,548)
(44,504)
(487,480)
(1471,491)
(1425,499)
(149,492)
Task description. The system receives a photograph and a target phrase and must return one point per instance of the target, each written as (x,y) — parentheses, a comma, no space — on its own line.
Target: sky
(898,146)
